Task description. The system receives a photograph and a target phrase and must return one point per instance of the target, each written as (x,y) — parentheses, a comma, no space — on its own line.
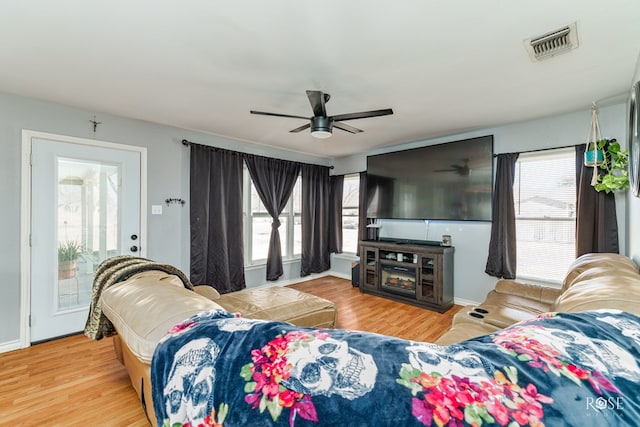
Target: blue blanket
(573,369)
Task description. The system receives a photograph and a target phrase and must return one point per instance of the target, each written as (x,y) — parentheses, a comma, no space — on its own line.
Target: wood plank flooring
(371,313)
(76,381)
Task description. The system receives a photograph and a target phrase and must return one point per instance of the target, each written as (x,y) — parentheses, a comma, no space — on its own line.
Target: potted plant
(68,253)
(614,164)
(593,155)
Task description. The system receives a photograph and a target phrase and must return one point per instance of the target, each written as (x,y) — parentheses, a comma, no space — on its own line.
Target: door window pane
(87,226)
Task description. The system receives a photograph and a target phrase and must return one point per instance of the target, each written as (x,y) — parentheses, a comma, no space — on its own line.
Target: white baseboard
(10,346)
(463,302)
(340,275)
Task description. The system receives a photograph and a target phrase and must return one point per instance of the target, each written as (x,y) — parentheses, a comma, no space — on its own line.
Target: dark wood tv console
(413,273)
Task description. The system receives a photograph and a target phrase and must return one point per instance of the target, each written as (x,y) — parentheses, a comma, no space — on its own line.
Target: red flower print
(269,367)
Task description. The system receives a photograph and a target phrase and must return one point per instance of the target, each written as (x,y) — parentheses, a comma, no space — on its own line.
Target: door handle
(134,248)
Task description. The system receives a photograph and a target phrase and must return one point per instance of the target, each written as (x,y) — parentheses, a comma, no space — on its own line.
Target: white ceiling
(443,66)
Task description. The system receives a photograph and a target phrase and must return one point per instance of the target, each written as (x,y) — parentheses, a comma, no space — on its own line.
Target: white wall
(471,239)
(168,239)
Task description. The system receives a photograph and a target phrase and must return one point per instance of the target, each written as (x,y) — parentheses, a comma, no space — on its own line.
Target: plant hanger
(605,154)
(594,156)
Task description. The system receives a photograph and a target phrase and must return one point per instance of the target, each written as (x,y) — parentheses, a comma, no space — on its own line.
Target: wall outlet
(156,209)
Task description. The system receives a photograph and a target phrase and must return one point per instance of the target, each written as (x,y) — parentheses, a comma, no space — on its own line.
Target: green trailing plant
(69,251)
(615,167)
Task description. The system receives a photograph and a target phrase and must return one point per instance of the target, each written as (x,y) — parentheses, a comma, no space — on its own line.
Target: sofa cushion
(281,303)
(614,263)
(508,309)
(598,271)
(613,291)
(144,307)
(207,291)
(540,293)
(464,331)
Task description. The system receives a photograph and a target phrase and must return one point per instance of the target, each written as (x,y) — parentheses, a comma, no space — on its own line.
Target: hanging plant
(615,166)
(609,162)
(593,153)
(593,156)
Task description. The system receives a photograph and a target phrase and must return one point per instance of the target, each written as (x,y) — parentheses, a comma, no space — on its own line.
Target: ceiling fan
(462,170)
(322,125)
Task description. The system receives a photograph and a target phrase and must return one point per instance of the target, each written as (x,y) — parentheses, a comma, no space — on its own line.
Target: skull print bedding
(579,369)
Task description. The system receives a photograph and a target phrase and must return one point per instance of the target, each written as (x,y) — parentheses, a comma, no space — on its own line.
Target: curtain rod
(187,143)
(541,149)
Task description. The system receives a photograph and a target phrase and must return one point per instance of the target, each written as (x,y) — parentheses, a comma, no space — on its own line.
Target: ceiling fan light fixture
(321,127)
(320,134)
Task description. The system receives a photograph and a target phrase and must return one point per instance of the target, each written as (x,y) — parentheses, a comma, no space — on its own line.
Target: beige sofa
(593,281)
(144,307)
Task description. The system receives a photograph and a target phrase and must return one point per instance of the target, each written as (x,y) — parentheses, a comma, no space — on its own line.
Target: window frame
(543,219)
(356,207)
(287,217)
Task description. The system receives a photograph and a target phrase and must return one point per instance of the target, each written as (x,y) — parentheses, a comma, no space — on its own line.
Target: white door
(85,207)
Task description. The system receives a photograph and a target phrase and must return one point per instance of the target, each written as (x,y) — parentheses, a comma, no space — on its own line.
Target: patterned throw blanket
(113,270)
(559,369)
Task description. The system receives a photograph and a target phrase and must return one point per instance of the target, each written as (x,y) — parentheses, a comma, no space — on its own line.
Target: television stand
(416,274)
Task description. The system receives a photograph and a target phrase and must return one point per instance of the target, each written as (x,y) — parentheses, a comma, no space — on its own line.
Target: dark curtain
(336,186)
(216,218)
(596,222)
(501,261)
(315,220)
(362,208)
(274,180)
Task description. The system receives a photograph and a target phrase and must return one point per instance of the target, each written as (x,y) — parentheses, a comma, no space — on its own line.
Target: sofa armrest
(545,294)
(207,292)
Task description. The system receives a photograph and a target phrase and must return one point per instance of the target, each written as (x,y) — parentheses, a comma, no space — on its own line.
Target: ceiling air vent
(553,43)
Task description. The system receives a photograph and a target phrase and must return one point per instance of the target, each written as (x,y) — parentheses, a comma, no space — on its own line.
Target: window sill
(263,264)
(347,256)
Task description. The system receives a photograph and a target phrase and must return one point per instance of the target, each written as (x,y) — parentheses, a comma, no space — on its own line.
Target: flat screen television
(452,181)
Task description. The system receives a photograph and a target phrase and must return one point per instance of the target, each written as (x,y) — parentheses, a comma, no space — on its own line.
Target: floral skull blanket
(559,369)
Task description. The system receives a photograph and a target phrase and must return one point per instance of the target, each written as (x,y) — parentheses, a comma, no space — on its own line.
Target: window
(257,225)
(544,190)
(350,202)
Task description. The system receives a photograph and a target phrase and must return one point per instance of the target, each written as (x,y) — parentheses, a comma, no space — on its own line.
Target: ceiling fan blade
(278,115)
(362,115)
(301,128)
(346,127)
(317,100)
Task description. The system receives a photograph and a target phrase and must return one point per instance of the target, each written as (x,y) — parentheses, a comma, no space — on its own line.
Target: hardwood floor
(366,312)
(76,381)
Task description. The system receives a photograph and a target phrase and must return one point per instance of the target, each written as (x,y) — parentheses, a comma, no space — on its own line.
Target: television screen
(452,181)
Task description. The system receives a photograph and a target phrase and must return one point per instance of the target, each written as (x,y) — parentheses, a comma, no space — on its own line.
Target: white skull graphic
(453,360)
(627,327)
(329,366)
(189,391)
(236,324)
(603,356)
